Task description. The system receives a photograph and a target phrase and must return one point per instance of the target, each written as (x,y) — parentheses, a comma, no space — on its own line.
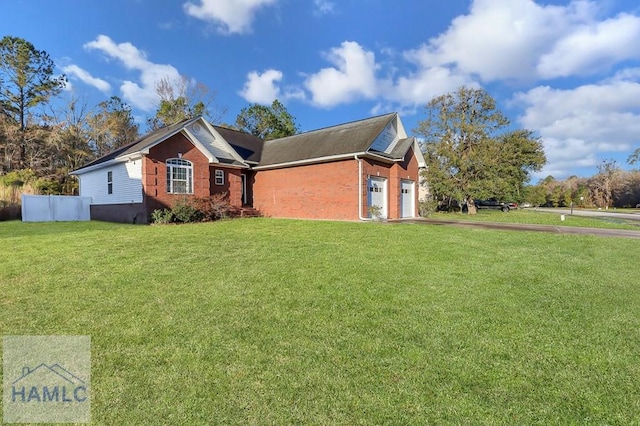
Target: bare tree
(184,99)
(602,184)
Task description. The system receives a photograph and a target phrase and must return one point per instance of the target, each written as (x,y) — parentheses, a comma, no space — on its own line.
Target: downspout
(359,160)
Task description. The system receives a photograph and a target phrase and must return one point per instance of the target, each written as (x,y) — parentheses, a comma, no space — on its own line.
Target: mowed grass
(543,217)
(263,321)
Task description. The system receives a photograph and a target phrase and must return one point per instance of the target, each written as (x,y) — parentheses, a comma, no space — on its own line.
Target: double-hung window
(110,182)
(179,176)
(219,177)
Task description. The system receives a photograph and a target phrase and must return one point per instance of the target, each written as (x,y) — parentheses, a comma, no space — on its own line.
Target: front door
(245,198)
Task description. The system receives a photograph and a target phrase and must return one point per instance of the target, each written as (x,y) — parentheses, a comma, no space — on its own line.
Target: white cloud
(87,78)
(262,88)
(593,48)
(578,124)
(421,87)
(230,16)
(324,7)
(353,76)
(524,40)
(497,39)
(140,94)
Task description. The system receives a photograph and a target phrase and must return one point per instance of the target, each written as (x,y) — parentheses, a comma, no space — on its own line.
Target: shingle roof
(141,143)
(246,145)
(349,138)
(355,137)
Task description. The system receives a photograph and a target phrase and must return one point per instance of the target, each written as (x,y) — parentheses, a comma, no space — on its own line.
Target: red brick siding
(329,190)
(232,184)
(154,172)
(394,173)
(316,191)
(405,170)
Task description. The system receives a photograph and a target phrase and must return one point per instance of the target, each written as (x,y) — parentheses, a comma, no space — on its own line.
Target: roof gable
(203,136)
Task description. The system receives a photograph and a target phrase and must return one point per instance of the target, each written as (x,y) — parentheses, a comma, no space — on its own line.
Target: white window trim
(219,177)
(179,163)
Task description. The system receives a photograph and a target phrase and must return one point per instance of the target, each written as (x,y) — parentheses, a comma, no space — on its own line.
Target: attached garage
(407,198)
(377,195)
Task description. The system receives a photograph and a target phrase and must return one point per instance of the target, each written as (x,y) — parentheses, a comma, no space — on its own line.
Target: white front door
(407,198)
(377,197)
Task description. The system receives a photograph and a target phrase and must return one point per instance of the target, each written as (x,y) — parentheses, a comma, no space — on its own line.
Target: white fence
(49,208)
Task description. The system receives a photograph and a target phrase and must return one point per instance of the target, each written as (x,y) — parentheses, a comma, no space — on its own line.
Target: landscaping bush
(184,211)
(427,207)
(47,187)
(215,207)
(375,212)
(162,216)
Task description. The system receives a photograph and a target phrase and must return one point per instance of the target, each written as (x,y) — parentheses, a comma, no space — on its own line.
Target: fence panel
(49,208)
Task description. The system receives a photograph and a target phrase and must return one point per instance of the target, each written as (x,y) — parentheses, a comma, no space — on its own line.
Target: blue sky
(568,70)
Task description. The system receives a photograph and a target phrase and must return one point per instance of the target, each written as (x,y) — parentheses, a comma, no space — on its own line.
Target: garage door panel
(407,198)
(377,194)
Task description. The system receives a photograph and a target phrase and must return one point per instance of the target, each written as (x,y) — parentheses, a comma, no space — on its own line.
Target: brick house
(348,172)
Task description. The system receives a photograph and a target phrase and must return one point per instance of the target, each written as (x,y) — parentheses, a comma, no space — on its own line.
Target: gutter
(327,159)
(359,160)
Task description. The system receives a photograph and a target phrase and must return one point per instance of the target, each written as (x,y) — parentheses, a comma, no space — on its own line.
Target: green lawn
(263,321)
(542,217)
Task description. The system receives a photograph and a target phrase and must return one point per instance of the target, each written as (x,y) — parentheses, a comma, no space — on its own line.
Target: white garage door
(407,198)
(377,195)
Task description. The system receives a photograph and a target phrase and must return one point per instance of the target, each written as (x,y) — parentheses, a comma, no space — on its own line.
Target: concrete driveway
(619,233)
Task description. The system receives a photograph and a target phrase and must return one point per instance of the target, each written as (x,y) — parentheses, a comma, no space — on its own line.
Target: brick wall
(232,184)
(329,190)
(316,191)
(154,171)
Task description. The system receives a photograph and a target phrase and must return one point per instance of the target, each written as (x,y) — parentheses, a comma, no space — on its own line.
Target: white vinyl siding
(126,184)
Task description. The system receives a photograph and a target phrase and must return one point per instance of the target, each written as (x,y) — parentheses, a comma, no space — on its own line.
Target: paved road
(620,233)
(592,213)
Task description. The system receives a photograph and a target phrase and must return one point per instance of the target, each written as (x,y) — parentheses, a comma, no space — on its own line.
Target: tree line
(610,187)
(43,138)
(472,153)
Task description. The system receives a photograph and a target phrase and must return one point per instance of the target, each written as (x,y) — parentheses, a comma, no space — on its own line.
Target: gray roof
(141,143)
(246,145)
(349,138)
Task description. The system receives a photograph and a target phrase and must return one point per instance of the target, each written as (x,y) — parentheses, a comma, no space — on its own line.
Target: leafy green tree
(267,122)
(469,151)
(183,100)
(535,195)
(26,80)
(111,126)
